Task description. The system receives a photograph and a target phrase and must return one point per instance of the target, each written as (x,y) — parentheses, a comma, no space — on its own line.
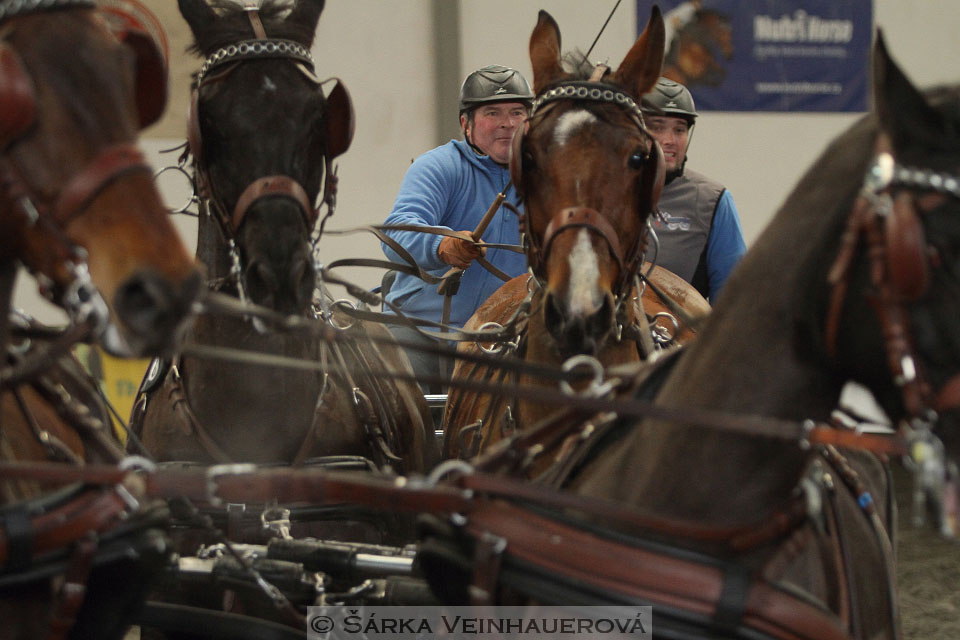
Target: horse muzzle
(150,312)
(578,331)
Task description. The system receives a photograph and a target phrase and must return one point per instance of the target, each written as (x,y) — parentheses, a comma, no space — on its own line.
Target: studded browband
(252,49)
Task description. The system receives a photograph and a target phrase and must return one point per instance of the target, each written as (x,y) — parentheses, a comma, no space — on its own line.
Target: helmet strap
(673,175)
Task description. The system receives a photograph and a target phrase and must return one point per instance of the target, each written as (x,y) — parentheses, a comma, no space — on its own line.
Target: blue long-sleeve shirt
(451,186)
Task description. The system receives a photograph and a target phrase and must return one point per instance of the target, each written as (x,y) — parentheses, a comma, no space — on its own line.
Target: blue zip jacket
(451,186)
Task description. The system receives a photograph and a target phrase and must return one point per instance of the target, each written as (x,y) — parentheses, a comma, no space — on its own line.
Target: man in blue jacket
(453,186)
(698,227)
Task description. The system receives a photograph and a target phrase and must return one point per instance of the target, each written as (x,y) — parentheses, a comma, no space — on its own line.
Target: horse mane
(233,25)
(575,62)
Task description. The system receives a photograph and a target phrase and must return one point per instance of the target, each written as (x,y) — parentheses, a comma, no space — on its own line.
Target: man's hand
(459,251)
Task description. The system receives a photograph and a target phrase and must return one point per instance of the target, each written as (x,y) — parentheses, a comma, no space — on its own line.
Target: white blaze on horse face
(269,85)
(569,122)
(583,295)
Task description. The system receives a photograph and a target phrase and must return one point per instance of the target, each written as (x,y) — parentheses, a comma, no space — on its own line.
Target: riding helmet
(494,83)
(670,98)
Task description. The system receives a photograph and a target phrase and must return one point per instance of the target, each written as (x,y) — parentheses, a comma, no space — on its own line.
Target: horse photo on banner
(779,55)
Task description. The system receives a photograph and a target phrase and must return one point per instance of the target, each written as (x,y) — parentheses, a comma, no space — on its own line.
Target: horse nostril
(260,283)
(601,322)
(144,302)
(553,316)
(303,281)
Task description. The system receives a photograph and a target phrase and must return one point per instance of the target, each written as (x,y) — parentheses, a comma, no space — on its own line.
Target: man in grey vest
(698,227)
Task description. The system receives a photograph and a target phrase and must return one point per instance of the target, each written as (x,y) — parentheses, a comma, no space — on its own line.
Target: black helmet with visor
(671,99)
(494,83)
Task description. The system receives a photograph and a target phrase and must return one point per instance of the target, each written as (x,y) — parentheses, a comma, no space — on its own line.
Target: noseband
(585,217)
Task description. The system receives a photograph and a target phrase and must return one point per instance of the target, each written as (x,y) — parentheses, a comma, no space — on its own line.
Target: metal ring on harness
(661,333)
(497,346)
(583,360)
(276,520)
(191,199)
(342,302)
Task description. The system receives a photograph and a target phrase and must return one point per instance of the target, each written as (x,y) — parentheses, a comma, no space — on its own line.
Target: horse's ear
(641,68)
(151,79)
(340,122)
(307,13)
(197,13)
(545,52)
(16,96)
(903,112)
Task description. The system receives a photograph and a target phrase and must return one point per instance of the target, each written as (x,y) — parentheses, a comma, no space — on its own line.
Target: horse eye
(637,159)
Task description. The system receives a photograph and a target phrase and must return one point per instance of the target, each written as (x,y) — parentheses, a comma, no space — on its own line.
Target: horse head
(907,259)
(263,136)
(78,203)
(590,176)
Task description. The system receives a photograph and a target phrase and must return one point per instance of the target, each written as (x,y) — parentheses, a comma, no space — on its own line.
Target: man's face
(492,127)
(673,134)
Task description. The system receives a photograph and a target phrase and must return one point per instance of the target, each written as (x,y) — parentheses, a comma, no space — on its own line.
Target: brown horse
(731,508)
(590,176)
(263,137)
(78,208)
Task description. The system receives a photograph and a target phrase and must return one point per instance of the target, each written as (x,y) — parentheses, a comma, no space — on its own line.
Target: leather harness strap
(273,186)
(583,218)
(58,527)
(110,164)
(73,591)
(253,13)
(650,577)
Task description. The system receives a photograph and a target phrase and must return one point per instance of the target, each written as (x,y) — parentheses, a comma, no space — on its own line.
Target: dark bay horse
(263,136)
(590,177)
(79,209)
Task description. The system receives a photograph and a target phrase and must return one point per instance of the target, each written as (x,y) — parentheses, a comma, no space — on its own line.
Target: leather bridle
(217,67)
(886,217)
(537,250)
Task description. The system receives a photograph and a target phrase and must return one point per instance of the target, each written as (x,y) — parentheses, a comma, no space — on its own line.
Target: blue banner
(768,55)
